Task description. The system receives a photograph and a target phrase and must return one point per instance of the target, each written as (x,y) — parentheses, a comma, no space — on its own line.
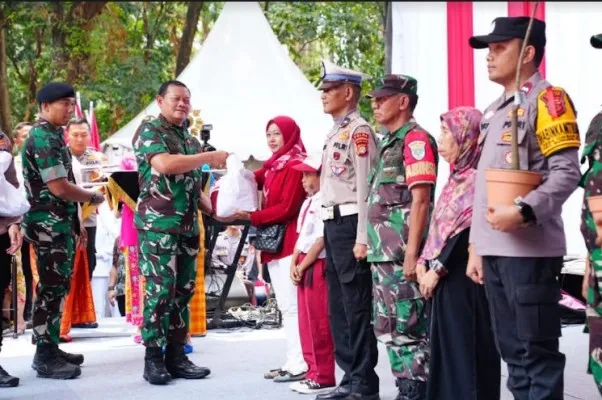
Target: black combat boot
(49,363)
(76,359)
(410,390)
(6,380)
(154,367)
(179,366)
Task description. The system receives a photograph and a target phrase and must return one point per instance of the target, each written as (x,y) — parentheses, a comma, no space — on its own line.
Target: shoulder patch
(556,125)
(361,140)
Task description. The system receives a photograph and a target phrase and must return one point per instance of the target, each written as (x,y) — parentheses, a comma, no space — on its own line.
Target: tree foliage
(117,53)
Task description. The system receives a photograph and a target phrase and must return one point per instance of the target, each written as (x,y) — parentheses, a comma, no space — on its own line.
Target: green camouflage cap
(394,84)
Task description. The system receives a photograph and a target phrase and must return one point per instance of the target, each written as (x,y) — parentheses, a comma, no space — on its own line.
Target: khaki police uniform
(349,151)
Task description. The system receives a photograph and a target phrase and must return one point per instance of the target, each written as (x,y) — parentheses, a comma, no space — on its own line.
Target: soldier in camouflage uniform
(169,161)
(592,279)
(51,225)
(400,199)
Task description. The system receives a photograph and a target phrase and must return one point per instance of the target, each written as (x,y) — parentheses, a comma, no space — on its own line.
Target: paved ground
(237,358)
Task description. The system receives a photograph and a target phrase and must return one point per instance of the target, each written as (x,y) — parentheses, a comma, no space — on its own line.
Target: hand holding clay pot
(504,218)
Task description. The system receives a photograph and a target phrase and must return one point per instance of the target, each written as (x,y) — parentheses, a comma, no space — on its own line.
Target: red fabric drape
(460,57)
(525,9)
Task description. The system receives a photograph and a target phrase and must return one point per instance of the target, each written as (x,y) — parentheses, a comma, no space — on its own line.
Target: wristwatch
(110,288)
(526,211)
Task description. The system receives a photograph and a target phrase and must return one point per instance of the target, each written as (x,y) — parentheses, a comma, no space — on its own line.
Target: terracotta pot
(505,185)
(595,207)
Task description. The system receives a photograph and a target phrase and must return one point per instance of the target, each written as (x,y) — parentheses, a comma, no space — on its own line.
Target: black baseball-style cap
(596,41)
(506,28)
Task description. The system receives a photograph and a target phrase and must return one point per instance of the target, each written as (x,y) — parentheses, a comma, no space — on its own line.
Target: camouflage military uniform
(406,157)
(592,183)
(167,221)
(50,225)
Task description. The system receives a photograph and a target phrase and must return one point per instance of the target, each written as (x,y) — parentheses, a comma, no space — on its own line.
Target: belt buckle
(328,213)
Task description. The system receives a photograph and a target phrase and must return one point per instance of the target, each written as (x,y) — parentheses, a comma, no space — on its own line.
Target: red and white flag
(94,133)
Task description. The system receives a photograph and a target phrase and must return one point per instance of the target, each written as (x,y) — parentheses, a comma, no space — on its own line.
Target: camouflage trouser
(594,318)
(168,263)
(55,268)
(400,321)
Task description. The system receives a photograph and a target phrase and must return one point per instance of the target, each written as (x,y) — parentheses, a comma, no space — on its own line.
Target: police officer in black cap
(516,250)
(52,224)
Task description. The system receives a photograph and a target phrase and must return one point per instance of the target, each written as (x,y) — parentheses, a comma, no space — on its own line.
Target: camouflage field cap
(394,84)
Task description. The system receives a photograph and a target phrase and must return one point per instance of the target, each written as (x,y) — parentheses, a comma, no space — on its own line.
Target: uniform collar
(526,88)
(56,129)
(339,120)
(164,121)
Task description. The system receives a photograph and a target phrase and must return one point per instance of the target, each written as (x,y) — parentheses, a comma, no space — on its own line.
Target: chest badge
(418,149)
(508,156)
(507,137)
(344,136)
(336,155)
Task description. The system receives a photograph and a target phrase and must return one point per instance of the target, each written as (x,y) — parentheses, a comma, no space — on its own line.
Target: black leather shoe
(358,396)
(154,367)
(179,366)
(88,325)
(6,380)
(410,390)
(340,392)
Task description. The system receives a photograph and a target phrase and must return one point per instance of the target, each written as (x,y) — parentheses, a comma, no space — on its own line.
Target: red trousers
(314,325)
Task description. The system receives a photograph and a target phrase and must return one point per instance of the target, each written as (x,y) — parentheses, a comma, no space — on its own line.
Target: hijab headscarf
(293,148)
(453,212)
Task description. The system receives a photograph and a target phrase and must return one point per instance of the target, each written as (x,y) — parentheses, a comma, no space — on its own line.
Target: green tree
(350,34)
(117,53)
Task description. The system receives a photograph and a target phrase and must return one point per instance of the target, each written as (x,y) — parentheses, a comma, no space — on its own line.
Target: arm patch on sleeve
(557,127)
(361,141)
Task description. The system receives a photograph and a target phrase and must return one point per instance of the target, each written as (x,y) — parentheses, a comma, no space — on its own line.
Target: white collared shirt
(310,228)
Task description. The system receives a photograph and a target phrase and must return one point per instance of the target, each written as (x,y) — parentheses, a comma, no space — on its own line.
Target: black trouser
(523,295)
(91,249)
(121,304)
(350,307)
(5,261)
(27,274)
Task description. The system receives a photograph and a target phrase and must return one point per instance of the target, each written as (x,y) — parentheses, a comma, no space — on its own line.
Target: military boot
(410,389)
(49,363)
(179,366)
(76,359)
(154,367)
(6,380)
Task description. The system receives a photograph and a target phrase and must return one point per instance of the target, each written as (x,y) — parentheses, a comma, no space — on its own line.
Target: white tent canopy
(240,79)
